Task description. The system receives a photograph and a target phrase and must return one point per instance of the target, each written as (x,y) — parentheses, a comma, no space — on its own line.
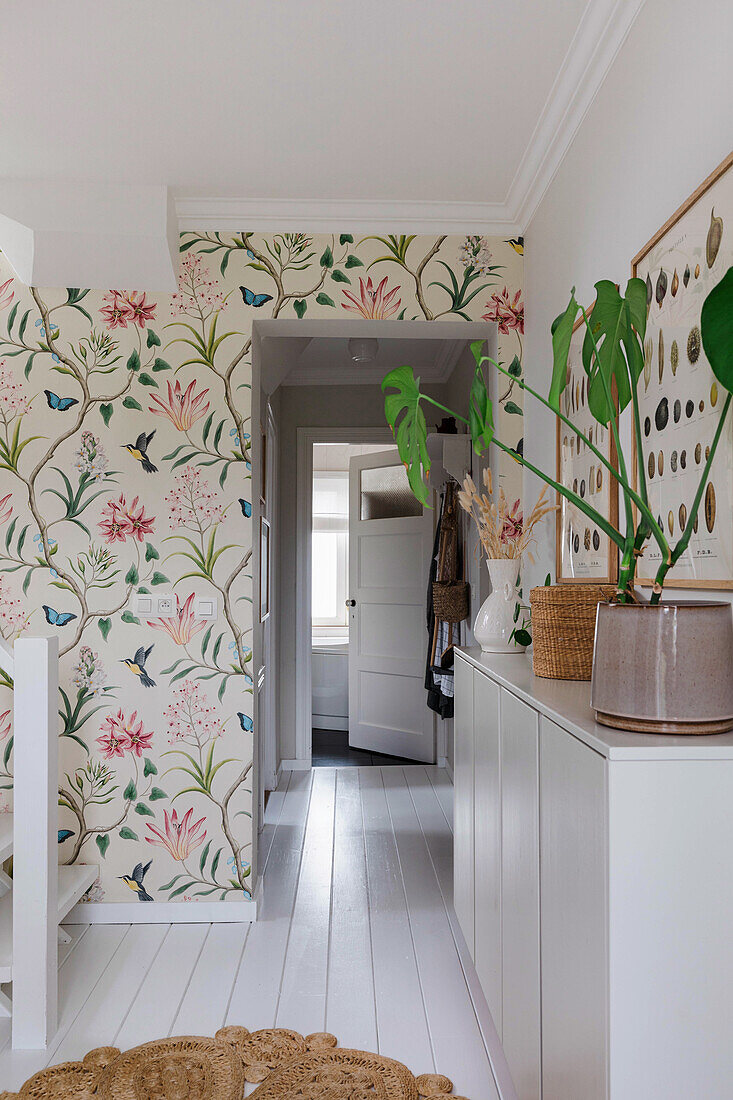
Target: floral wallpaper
(125,456)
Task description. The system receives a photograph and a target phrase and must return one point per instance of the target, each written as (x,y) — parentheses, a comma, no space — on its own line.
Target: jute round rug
(284,1065)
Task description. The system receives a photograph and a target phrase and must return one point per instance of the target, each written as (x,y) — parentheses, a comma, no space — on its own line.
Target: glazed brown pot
(664,669)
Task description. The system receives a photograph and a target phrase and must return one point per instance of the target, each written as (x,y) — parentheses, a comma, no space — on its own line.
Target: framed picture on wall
(583,552)
(679,398)
(264,569)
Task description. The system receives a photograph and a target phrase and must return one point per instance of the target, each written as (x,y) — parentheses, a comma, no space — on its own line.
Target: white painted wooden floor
(355,936)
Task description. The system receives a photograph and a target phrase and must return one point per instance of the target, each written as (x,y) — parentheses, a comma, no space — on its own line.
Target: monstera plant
(613,360)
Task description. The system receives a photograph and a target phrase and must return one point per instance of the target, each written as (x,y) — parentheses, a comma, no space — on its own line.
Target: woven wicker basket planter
(563,628)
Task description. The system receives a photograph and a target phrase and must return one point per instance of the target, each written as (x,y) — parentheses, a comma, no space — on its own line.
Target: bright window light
(330,555)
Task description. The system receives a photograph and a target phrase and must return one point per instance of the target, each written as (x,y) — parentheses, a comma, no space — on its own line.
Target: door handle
(351,603)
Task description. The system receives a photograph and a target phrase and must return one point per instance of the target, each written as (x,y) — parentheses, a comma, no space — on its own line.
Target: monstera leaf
(407,421)
(562,333)
(716,327)
(480,411)
(613,348)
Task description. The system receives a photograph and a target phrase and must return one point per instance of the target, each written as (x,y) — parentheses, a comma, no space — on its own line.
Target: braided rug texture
(284,1065)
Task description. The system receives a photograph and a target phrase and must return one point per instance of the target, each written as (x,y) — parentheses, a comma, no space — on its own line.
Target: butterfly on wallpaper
(245,722)
(252,299)
(246,507)
(64,834)
(57,618)
(61,404)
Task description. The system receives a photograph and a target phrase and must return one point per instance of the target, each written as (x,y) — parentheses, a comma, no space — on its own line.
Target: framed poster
(679,398)
(583,552)
(264,569)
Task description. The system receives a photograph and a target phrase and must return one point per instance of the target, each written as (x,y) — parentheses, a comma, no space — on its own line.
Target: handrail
(7,660)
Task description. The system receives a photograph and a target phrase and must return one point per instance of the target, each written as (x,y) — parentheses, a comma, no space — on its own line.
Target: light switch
(166,606)
(144,605)
(206,607)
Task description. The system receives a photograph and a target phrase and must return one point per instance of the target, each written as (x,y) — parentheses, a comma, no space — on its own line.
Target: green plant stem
(684,539)
(582,506)
(640,502)
(627,568)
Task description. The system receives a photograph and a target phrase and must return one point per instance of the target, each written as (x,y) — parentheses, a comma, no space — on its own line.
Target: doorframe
(303,574)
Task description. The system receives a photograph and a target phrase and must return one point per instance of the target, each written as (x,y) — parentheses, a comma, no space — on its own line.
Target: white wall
(661,123)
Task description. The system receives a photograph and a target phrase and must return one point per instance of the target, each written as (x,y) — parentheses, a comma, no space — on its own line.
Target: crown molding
(601,32)
(357,215)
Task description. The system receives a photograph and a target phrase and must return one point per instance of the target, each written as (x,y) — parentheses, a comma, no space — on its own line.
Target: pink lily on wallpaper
(140,310)
(181,837)
(183,625)
(373,304)
(183,409)
(6,509)
(508,312)
(139,525)
(4,724)
(116,312)
(121,735)
(123,309)
(6,296)
(513,524)
(120,521)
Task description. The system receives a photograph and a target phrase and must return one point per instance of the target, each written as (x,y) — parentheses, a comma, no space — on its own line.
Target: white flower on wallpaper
(125,451)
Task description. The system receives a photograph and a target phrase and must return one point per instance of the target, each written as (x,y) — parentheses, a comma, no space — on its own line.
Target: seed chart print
(679,398)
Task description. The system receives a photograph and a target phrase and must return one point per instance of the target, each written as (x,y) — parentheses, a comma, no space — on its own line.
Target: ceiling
(391,100)
(316,353)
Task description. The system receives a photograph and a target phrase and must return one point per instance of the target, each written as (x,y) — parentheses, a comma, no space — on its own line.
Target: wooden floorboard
(355,935)
(350,1004)
(454,1029)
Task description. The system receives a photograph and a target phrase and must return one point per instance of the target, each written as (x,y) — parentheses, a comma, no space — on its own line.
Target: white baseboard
(297,765)
(163,912)
(331,722)
(448,768)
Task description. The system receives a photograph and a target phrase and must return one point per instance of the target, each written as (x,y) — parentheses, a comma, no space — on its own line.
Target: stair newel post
(35,855)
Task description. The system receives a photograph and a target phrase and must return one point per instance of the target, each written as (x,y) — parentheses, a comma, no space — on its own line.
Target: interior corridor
(355,935)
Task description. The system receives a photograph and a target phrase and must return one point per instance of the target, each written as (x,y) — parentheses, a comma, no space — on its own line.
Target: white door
(390,543)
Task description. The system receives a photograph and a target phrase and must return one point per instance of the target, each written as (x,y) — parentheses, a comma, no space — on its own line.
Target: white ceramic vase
(495,620)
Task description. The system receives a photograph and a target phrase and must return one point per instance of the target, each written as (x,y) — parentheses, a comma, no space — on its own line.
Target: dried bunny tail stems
(503,530)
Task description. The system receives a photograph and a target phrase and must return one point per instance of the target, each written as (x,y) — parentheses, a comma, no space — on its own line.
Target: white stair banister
(35,856)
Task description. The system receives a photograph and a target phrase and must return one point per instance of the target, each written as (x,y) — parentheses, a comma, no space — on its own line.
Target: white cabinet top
(567,702)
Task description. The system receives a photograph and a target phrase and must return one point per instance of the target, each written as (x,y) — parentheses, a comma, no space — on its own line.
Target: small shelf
(73,883)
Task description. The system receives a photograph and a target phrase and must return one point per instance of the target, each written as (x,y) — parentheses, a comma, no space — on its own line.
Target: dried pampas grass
(503,531)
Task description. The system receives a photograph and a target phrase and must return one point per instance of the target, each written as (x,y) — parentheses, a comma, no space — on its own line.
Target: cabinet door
(573,877)
(488,842)
(520,894)
(463,801)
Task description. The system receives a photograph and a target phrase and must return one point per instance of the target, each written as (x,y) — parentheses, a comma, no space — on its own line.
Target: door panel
(487,815)
(520,894)
(392,630)
(573,874)
(463,803)
(390,543)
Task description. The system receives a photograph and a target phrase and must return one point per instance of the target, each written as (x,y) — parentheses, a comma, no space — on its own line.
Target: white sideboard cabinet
(594,888)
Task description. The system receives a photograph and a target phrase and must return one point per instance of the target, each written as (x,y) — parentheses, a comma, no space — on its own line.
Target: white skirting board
(164,912)
(295,765)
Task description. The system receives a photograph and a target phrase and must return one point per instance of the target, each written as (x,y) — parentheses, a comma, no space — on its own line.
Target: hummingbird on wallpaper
(139,450)
(135,881)
(136,665)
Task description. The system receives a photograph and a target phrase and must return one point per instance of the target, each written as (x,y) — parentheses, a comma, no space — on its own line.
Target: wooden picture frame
(679,398)
(264,569)
(583,553)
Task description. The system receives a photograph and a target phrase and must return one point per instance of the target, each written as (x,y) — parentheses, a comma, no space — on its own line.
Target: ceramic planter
(664,669)
(495,620)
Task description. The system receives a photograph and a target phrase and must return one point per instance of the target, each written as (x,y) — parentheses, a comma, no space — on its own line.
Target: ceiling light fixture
(363,349)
